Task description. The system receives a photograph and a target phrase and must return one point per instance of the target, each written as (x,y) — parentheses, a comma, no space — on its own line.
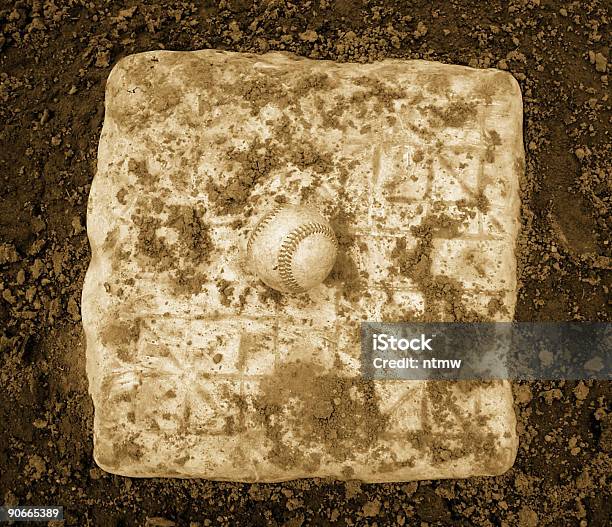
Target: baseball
(292,248)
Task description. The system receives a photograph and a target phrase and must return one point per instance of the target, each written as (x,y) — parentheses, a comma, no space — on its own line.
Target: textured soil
(54,60)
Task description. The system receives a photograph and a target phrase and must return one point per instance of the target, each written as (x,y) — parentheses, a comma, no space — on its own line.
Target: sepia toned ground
(54,60)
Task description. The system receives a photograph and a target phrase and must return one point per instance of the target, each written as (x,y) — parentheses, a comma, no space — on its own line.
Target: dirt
(443,296)
(54,60)
(326,416)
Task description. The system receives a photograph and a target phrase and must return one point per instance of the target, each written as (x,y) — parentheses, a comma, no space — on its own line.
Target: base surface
(196,369)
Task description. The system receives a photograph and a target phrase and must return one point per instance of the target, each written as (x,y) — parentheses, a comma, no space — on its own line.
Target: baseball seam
(262,224)
(290,245)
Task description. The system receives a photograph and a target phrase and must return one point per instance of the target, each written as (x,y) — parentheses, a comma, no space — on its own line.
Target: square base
(197,369)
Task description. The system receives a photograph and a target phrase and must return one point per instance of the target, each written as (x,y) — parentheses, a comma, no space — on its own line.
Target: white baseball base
(196,368)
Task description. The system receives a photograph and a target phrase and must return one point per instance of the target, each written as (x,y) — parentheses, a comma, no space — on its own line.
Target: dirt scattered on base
(443,296)
(346,272)
(181,258)
(341,414)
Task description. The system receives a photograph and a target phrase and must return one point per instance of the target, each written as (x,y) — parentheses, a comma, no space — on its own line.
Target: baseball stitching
(290,245)
(262,223)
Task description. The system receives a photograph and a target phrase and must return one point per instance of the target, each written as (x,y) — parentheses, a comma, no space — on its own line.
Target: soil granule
(54,60)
